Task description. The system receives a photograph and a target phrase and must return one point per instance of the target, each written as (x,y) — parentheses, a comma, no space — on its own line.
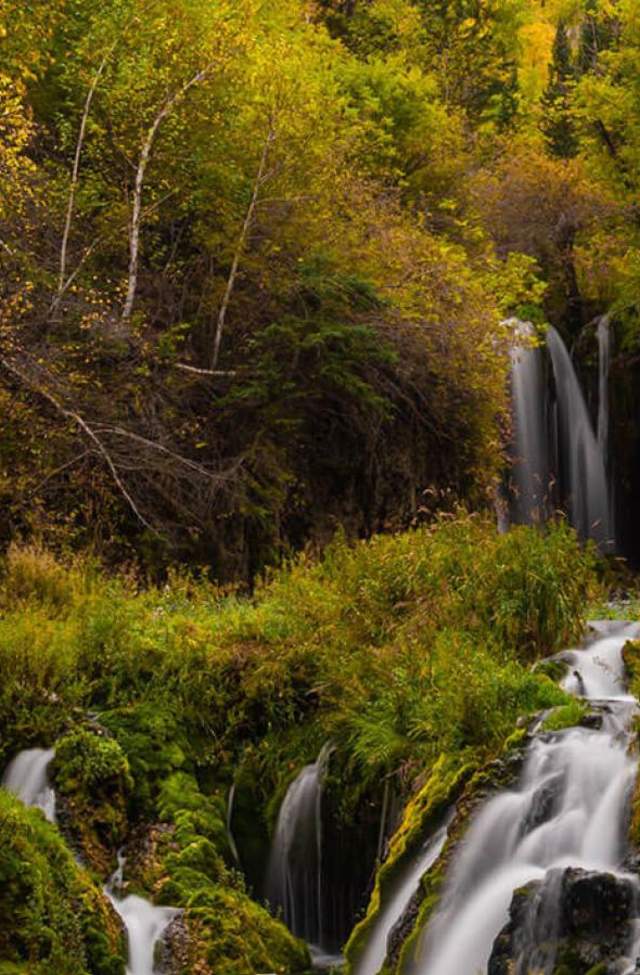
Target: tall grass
(398,648)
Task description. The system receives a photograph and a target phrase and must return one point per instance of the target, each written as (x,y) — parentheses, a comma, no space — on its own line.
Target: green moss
(92,779)
(566,716)
(422,814)
(184,866)
(553,668)
(53,920)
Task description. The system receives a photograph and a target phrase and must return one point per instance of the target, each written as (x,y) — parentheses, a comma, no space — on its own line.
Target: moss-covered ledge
(423,815)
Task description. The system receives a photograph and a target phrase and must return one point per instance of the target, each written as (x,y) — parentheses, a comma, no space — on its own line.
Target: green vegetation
(409,652)
(256,258)
(52,917)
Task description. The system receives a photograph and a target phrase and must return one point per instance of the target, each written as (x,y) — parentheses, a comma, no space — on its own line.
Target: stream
(567,810)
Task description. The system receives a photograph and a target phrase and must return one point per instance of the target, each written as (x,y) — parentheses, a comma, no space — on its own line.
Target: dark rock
(593,720)
(543,804)
(577,918)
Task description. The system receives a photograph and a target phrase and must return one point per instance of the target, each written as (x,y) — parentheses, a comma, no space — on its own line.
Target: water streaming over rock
(144,922)
(568,810)
(397,901)
(531,468)
(294,880)
(556,452)
(27,777)
(580,457)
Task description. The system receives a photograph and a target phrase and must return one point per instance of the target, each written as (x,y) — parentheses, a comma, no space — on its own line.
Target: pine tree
(557,124)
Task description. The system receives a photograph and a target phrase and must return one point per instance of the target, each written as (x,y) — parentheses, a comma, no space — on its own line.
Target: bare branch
(134,237)
(17,371)
(240,246)
(205,372)
(76,169)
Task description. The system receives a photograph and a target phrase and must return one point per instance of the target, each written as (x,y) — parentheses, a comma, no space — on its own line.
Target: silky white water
(26,776)
(567,810)
(294,880)
(398,900)
(144,922)
(580,455)
(530,470)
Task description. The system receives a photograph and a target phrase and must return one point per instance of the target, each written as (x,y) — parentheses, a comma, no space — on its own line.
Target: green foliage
(93,783)
(567,716)
(53,919)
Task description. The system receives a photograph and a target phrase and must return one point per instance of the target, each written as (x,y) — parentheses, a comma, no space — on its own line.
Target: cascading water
(604,359)
(554,439)
(568,810)
(26,776)
(398,900)
(144,922)
(581,458)
(530,470)
(294,880)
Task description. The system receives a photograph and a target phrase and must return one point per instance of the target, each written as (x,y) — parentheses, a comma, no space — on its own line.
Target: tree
(558,122)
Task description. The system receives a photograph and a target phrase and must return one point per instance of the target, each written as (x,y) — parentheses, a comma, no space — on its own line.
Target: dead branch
(18,372)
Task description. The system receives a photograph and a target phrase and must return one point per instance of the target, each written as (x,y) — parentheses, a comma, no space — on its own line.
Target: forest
(319,458)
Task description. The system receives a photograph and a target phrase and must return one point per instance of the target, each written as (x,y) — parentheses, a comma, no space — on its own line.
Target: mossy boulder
(53,919)
(182,862)
(91,776)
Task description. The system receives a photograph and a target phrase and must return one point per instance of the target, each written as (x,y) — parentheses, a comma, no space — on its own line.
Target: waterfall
(397,901)
(568,810)
(294,879)
(144,922)
(27,777)
(580,457)
(554,439)
(530,470)
(604,359)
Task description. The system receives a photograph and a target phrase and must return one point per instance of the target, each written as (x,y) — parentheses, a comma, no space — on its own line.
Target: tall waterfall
(554,439)
(26,776)
(531,461)
(567,810)
(294,880)
(580,456)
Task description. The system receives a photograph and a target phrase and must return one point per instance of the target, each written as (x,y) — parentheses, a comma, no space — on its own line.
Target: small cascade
(399,898)
(565,816)
(530,470)
(294,881)
(144,922)
(27,777)
(580,457)
(232,843)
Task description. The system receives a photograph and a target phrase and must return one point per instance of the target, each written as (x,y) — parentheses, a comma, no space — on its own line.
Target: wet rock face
(572,922)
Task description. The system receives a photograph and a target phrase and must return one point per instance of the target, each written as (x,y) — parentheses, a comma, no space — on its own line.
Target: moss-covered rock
(422,815)
(92,780)
(53,919)
(182,863)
